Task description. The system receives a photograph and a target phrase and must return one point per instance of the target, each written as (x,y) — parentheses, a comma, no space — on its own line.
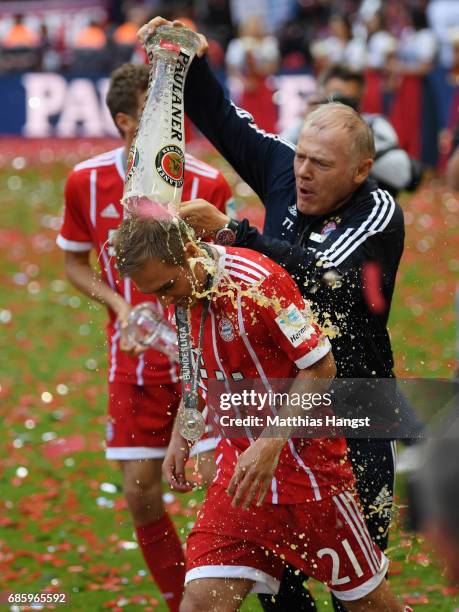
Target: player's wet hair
(341,116)
(139,239)
(126,83)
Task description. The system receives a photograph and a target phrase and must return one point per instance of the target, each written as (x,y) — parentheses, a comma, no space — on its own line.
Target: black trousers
(373,462)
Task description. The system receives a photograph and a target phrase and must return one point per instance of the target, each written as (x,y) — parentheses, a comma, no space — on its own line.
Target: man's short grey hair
(337,115)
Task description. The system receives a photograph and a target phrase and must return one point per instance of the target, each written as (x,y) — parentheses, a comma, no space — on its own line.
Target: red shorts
(140,420)
(327,540)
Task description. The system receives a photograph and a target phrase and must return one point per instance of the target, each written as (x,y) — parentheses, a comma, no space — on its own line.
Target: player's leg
(373,462)
(221,556)
(138,434)
(381,599)
(335,548)
(203,453)
(292,595)
(142,488)
(215,595)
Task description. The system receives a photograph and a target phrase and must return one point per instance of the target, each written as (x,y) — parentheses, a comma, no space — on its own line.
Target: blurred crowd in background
(407,50)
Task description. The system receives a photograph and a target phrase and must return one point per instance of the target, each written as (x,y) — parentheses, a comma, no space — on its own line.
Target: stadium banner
(48,104)
(41,105)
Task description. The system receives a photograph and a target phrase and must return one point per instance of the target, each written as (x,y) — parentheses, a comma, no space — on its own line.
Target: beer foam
(146,208)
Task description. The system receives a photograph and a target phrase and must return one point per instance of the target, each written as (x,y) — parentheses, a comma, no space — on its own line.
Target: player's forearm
(89,282)
(314,380)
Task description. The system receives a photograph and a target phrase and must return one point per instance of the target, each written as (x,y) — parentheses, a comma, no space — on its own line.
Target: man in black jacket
(337,234)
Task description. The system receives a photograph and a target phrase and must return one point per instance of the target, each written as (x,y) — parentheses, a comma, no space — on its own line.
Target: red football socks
(163,553)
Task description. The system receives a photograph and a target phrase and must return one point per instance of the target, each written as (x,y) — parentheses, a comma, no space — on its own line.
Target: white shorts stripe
(132,453)
(356,514)
(263,582)
(274,495)
(363,547)
(204,445)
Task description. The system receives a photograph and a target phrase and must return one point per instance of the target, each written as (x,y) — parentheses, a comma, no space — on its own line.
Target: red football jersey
(92,212)
(244,339)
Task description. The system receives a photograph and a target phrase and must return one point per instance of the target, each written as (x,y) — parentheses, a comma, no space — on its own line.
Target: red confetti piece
(416,600)
(64,446)
(449,591)
(372,287)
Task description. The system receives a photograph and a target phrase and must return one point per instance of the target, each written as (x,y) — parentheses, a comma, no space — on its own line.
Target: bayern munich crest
(170,165)
(226,330)
(328,228)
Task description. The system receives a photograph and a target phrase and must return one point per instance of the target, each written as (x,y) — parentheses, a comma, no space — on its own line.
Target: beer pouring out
(156,163)
(154,180)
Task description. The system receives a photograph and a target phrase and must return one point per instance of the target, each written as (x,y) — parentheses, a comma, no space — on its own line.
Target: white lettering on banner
(108,123)
(79,106)
(57,107)
(291,97)
(45,96)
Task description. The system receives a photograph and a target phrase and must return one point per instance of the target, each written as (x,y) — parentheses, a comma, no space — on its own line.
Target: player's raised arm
(263,160)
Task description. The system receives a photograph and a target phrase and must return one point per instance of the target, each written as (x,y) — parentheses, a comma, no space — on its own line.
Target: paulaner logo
(177,94)
(170,165)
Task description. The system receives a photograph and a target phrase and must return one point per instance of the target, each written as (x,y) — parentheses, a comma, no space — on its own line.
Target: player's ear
(363,170)
(125,123)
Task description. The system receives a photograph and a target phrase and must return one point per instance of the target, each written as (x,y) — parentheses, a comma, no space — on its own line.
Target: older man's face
(325,170)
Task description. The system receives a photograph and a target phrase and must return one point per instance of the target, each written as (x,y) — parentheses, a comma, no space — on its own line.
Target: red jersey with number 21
(246,339)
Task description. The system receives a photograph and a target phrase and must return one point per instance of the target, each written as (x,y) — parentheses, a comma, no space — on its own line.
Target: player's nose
(305,170)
